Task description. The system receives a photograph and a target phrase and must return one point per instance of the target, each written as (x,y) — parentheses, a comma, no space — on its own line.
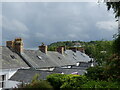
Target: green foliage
(62,81)
(56,80)
(100,84)
(115,6)
(53,46)
(99,50)
(74,81)
(66,81)
(36,78)
(96,73)
(39,84)
(112,68)
(116,45)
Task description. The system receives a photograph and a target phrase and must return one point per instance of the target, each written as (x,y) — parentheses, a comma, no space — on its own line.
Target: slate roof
(80,70)
(51,59)
(10,59)
(26,75)
(61,60)
(32,56)
(38,59)
(78,56)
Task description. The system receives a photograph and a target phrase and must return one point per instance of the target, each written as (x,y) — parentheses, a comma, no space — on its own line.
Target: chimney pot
(16,45)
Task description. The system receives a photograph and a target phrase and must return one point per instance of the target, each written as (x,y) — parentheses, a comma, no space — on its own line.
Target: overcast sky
(50,22)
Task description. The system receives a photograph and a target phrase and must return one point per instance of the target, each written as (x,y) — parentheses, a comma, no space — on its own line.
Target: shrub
(96,73)
(39,84)
(56,80)
(74,81)
(66,81)
(100,84)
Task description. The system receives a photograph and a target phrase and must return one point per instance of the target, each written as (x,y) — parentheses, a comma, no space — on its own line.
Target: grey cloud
(13,25)
(50,22)
(107,25)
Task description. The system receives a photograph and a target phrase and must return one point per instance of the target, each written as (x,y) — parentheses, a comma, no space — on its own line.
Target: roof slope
(11,59)
(26,75)
(38,59)
(78,56)
(61,60)
(80,71)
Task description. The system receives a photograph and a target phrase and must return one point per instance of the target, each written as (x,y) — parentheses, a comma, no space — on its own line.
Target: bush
(100,84)
(66,81)
(74,81)
(96,73)
(56,80)
(39,84)
(116,45)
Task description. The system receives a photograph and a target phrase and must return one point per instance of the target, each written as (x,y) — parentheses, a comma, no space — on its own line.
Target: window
(2,80)
(12,56)
(39,57)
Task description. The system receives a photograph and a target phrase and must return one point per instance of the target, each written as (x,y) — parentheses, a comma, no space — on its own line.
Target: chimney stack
(16,45)
(43,48)
(10,44)
(61,49)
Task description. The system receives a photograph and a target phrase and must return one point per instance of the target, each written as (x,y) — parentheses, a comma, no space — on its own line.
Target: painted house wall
(8,73)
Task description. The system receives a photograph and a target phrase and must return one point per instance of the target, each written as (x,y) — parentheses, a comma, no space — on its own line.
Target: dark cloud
(50,22)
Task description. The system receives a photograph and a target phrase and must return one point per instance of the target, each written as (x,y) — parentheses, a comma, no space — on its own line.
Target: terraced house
(20,65)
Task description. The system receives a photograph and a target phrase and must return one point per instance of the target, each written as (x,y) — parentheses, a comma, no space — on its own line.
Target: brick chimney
(16,45)
(10,44)
(43,48)
(61,49)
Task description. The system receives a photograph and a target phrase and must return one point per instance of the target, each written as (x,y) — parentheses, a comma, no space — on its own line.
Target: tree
(115,6)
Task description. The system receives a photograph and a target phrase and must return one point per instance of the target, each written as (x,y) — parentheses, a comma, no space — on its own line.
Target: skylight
(74,58)
(59,58)
(74,54)
(12,56)
(39,57)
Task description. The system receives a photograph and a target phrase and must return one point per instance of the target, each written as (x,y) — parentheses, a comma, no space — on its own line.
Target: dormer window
(39,57)
(12,56)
